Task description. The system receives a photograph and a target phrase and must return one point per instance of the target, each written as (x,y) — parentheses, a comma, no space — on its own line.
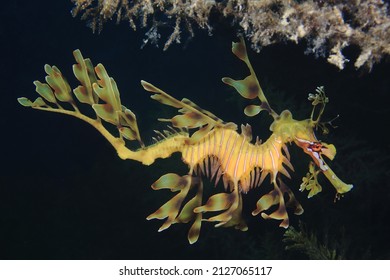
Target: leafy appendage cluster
(96,89)
(310,182)
(327,27)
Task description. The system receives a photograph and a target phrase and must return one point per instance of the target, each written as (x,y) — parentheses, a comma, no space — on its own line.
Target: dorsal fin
(192,116)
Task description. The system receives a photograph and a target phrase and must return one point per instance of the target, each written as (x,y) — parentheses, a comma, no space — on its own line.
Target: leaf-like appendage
(106,88)
(45,91)
(265,202)
(39,102)
(217,202)
(170,209)
(189,120)
(203,111)
(252,110)
(192,116)
(249,87)
(187,213)
(106,112)
(239,49)
(275,197)
(85,73)
(129,130)
(202,132)
(310,182)
(127,133)
(57,82)
(173,210)
(128,118)
(25,102)
(171,181)
(193,233)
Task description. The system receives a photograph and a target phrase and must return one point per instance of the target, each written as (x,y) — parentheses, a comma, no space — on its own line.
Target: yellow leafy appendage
(214,149)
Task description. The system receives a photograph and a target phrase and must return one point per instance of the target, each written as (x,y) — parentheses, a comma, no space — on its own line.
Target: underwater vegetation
(307,243)
(209,146)
(327,27)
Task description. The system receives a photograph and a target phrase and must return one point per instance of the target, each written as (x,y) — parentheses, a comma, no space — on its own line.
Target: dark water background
(64,194)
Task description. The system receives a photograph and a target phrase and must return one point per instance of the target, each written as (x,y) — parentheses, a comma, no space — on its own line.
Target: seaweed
(307,243)
(326,27)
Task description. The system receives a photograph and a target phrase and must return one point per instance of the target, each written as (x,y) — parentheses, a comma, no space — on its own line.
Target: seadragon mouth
(317,157)
(316,149)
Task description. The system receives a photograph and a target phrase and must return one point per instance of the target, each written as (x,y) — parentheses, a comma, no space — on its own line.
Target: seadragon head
(302,133)
(289,130)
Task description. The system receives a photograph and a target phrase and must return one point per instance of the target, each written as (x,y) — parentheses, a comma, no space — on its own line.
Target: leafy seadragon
(215,150)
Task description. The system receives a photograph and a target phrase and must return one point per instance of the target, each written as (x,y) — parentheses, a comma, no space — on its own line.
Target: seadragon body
(215,150)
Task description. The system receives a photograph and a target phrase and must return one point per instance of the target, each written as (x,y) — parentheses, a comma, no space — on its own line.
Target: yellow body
(237,157)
